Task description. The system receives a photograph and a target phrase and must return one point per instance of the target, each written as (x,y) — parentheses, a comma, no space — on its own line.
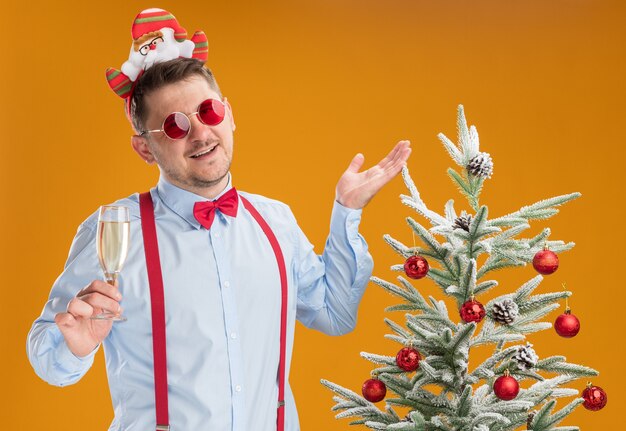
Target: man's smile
(205,151)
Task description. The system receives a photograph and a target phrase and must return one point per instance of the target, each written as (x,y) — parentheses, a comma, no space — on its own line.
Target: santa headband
(157,37)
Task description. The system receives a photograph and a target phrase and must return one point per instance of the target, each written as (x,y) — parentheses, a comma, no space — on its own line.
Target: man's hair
(160,75)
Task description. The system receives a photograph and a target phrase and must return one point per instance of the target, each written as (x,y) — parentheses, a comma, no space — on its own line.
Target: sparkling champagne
(112,240)
(112,244)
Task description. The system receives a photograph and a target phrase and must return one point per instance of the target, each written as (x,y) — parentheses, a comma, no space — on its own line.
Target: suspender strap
(155,278)
(280,420)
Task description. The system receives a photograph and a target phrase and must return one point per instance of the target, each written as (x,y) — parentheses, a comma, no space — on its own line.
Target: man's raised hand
(355,189)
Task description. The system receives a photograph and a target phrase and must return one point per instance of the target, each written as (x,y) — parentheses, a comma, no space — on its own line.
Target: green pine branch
(544,420)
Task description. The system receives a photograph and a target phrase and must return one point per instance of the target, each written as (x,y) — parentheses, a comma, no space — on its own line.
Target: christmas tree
(430,377)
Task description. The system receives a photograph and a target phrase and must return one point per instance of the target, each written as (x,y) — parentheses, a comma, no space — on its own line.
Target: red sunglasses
(178,125)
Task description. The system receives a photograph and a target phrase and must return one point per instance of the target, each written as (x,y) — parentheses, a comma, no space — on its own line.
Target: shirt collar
(181,201)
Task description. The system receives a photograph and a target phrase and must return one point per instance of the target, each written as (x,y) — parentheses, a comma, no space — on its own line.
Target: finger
(97,300)
(395,168)
(99,286)
(65,320)
(394,153)
(389,157)
(79,308)
(402,149)
(356,163)
(403,156)
(391,170)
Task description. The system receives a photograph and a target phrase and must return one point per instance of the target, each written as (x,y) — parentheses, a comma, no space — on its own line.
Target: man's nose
(152,46)
(199,130)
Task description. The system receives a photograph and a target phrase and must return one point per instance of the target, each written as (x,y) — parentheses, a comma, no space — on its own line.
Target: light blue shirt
(222,305)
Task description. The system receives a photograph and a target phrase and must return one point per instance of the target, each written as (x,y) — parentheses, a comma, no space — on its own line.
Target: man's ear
(141,147)
(232,117)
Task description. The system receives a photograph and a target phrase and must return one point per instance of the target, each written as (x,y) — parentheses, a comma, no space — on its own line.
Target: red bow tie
(204,212)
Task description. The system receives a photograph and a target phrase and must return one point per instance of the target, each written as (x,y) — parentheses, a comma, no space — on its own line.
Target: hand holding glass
(112,242)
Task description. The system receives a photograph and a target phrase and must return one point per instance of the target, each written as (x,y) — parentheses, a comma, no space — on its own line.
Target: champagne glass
(112,242)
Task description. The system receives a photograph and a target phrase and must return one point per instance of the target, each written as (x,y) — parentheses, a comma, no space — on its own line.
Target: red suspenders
(155,279)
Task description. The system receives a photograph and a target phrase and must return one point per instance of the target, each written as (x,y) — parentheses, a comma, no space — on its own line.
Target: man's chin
(209,181)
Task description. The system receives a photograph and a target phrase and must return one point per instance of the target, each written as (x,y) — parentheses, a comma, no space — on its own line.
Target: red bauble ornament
(408,359)
(374,390)
(546,262)
(567,325)
(506,387)
(595,398)
(416,267)
(472,311)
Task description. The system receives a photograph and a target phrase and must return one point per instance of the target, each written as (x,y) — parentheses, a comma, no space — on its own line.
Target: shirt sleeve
(330,286)
(47,351)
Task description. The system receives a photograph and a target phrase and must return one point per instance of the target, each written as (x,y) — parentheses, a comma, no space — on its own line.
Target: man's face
(186,162)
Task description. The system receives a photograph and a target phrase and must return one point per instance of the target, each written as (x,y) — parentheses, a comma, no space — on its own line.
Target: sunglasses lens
(176,125)
(211,112)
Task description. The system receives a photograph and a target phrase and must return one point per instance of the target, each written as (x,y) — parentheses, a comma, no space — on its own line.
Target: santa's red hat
(154,19)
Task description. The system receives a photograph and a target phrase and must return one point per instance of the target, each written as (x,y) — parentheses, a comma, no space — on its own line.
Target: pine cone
(526,357)
(505,312)
(463,221)
(481,165)
(531,415)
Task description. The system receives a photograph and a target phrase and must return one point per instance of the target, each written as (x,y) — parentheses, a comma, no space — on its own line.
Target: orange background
(311,84)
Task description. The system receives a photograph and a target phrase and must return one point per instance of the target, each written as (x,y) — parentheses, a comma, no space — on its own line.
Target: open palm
(355,189)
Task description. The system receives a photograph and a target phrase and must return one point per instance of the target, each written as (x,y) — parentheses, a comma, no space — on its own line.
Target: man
(221,282)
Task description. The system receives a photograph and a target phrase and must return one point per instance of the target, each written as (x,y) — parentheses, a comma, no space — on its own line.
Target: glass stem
(111,278)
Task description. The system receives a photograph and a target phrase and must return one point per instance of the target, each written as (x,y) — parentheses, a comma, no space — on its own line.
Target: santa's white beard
(169,49)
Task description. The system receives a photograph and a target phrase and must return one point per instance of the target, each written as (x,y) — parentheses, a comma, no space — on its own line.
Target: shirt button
(233,335)
(217,235)
(226,284)
(238,388)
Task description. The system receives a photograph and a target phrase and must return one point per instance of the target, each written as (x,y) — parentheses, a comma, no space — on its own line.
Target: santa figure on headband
(157,37)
